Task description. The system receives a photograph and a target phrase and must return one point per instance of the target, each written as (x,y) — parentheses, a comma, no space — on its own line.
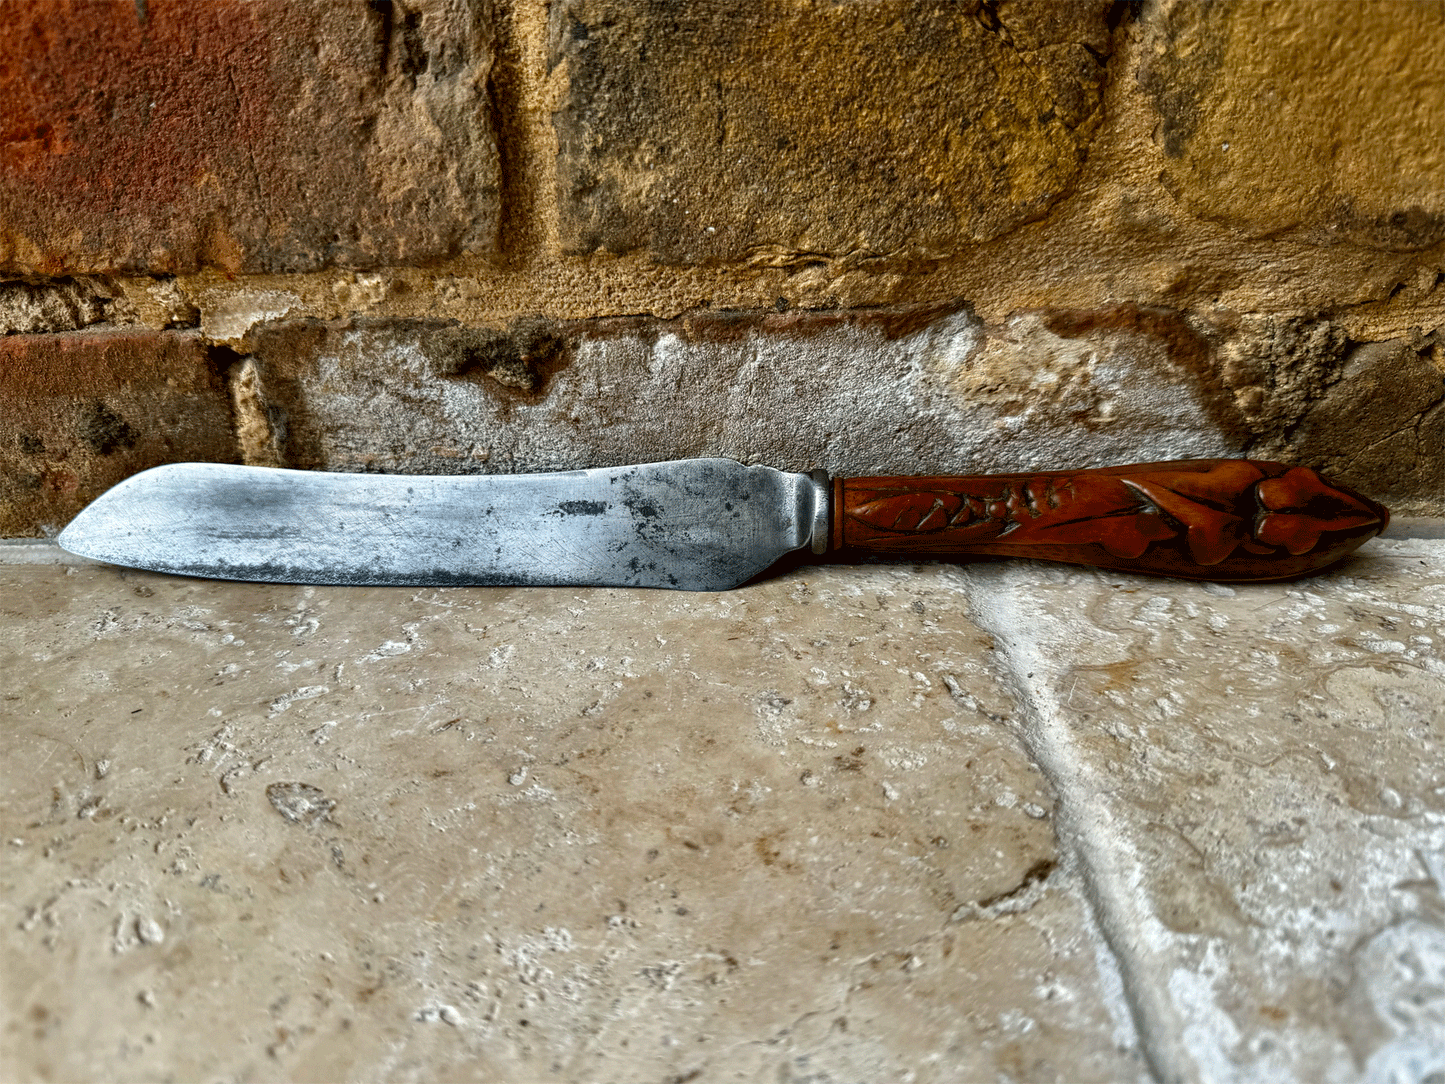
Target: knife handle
(1228,520)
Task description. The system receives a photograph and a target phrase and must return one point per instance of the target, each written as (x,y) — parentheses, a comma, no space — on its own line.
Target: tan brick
(1320,120)
(79,412)
(167,136)
(787,131)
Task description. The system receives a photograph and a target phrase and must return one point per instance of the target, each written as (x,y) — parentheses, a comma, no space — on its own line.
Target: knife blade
(712,524)
(696,524)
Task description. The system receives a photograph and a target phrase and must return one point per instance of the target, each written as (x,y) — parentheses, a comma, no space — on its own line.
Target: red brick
(80,412)
(168,136)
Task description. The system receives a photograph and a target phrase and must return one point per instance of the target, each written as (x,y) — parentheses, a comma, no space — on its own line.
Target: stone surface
(1392,397)
(929,389)
(902,391)
(1371,415)
(57,305)
(1255,780)
(787,833)
(1318,123)
(908,391)
(80,412)
(874,822)
(166,136)
(897,130)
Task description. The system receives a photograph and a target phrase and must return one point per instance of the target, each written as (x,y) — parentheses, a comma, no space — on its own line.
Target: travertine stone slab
(788,832)
(1256,780)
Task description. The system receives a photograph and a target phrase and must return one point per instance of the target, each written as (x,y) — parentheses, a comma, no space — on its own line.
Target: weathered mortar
(414,166)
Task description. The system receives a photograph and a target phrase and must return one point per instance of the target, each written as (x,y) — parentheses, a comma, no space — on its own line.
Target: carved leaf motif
(1208,503)
(1127,535)
(1237,520)
(1302,506)
(1222,485)
(1295,489)
(1123,536)
(921,511)
(1298,534)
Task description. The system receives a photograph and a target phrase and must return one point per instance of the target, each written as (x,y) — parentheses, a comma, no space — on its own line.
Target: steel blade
(694,524)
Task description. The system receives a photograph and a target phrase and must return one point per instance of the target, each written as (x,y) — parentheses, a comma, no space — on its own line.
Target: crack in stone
(1022,897)
(1081,819)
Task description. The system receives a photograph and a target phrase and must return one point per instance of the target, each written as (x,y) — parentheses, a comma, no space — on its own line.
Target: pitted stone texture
(1370,415)
(1389,394)
(1255,778)
(907,392)
(1319,122)
(80,412)
(58,305)
(169,136)
(775,833)
(712,132)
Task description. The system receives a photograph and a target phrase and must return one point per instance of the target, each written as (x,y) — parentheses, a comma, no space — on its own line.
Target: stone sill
(871,822)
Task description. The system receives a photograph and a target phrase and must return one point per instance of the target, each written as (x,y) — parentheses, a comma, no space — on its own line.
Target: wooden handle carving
(1229,520)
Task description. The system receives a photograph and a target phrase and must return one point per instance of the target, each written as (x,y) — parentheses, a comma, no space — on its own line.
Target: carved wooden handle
(1229,520)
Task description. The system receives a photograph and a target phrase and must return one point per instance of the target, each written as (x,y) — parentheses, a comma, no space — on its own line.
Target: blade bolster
(822,509)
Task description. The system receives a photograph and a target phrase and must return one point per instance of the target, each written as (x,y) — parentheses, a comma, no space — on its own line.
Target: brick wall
(882,235)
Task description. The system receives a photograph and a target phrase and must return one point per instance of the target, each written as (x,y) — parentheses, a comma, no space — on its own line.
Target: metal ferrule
(822,509)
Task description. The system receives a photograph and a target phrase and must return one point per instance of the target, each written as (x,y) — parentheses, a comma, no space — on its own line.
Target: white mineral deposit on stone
(517,777)
(283,702)
(447,1014)
(392,648)
(855,700)
(1209,1034)
(228,318)
(907,760)
(300,803)
(959,694)
(149,930)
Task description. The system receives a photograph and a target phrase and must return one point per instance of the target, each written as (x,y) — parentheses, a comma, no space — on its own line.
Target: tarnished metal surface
(694,524)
